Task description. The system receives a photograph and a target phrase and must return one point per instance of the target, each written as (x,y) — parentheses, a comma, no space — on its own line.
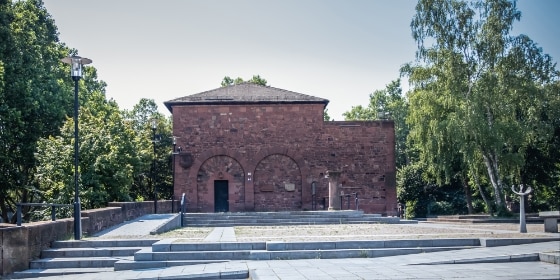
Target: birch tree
(477,91)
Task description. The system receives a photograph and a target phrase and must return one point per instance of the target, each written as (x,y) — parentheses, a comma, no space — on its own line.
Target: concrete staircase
(86,256)
(75,257)
(171,252)
(286,218)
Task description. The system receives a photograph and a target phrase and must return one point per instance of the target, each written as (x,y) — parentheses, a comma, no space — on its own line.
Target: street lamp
(154,127)
(175,152)
(76,64)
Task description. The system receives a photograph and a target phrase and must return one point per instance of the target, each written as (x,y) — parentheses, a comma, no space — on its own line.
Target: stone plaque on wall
(267,188)
(290,187)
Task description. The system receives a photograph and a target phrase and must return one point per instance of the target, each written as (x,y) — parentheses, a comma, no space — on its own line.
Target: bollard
(522,224)
(18,214)
(53,213)
(183,209)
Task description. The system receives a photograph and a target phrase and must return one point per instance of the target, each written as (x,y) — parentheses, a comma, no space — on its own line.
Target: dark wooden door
(221,199)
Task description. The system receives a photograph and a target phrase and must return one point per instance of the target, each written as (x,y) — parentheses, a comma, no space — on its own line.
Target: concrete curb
(495,242)
(169,224)
(550,257)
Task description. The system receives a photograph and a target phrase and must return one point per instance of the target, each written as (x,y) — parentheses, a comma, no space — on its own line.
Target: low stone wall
(20,245)
(100,219)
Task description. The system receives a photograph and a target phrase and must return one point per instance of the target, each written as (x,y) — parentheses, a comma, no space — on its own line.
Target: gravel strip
(364,232)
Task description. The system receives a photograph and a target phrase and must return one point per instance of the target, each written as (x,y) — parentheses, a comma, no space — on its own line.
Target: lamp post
(76,64)
(175,152)
(154,126)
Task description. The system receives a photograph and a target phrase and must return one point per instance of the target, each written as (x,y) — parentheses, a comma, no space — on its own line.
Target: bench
(550,220)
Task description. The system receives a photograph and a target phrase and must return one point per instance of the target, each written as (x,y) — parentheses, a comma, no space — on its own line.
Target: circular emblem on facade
(186,160)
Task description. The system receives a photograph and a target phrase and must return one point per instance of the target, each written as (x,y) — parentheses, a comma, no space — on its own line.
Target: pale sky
(333,49)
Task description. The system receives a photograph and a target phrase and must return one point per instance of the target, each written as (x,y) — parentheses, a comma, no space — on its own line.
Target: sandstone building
(248,147)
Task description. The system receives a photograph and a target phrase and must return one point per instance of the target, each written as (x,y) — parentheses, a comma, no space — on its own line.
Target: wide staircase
(286,218)
(87,256)
(98,255)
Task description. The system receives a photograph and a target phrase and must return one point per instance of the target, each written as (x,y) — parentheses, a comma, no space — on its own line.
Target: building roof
(245,93)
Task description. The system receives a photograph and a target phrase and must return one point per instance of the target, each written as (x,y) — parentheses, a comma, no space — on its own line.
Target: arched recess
(277,184)
(224,169)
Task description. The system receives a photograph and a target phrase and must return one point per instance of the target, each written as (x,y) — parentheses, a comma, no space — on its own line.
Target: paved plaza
(504,262)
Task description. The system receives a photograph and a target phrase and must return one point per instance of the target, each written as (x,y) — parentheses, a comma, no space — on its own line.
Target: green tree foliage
(387,103)
(326,116)
(256,79)
(145,177)
(33,99)
(36,127)
(474,91)
(107,152)
(424,197)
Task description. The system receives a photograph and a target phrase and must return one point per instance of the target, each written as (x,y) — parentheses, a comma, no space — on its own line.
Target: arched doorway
(220,185)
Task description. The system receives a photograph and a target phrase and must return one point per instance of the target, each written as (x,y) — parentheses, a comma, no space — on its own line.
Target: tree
(140,117)
(33,98)
(473,90)
(107,154)
(256,79)
(326,116)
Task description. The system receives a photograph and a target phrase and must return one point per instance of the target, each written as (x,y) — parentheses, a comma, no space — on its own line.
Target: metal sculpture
(522,194)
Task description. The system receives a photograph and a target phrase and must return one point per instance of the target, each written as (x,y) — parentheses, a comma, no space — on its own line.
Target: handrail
(52,205)
(183,208)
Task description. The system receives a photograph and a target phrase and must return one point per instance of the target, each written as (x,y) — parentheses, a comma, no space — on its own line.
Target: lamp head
(76,63)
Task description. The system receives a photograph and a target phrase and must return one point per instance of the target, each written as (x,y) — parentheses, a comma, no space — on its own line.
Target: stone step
(93,243)
(372,244)
(171,245)
(171,250)
(285,218)
(550,257)
(305,219)
(347,253)
(90,252)
(148,255)
(268,222)
(343,213)
(36,273)
(87,262)
(130,265)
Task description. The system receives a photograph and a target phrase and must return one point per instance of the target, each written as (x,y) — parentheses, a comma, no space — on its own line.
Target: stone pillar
(334,190)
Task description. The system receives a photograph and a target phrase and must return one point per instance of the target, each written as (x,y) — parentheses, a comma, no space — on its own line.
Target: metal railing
(52,205)
(355,194)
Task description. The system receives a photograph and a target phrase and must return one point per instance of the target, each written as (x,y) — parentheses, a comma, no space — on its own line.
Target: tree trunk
(468,194)
(3,209)
(486,201)
(491,162)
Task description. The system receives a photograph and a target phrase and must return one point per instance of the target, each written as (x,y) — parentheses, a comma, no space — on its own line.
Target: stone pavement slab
(221,234)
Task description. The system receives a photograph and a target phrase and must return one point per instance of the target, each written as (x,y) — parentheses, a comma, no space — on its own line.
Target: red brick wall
(271,153)
(278,184)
